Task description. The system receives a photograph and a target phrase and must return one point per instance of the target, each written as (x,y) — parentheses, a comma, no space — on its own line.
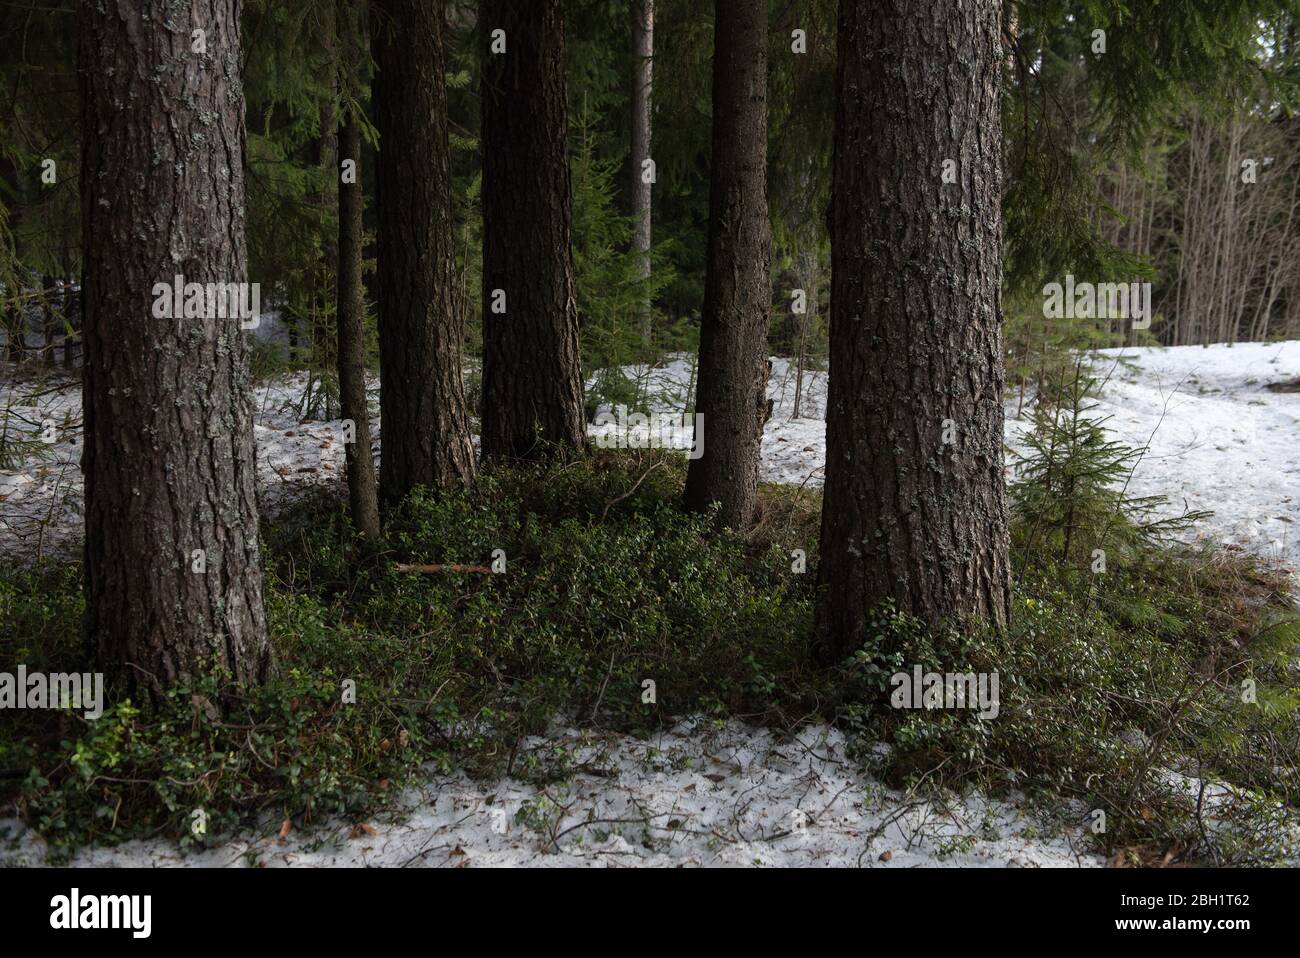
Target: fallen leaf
(202,704)
(886,856)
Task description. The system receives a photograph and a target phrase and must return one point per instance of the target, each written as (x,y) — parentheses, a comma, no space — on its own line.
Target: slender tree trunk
(808,261)
(363,491)
(324,339)
(643,51)
(15,319)
(532,381)
(49,322)
(914,507)
(424,424)
(732,394)
(72,317)
(173,582)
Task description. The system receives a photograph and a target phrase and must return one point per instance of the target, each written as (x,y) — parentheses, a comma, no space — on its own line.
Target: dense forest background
(1170,156)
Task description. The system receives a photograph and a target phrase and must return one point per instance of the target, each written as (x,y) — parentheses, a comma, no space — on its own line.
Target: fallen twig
(431,568)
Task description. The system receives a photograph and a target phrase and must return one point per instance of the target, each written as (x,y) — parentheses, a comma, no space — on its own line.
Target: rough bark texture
(363,492)
(424,423)
(643,51)
(733,366)
(169,449)
(916,318)
(532,382)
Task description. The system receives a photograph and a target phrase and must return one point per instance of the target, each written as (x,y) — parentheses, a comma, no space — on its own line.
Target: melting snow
(1219,439)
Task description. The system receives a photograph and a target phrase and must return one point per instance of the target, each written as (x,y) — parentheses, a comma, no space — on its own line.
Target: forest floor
(707,793)
(700,794)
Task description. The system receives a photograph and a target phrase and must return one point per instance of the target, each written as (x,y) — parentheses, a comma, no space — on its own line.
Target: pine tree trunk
(643,51)
(49,321)
(169,454)
(363,492)
(532,381)
(424,423)
(732,395)
(916,343)
(15,328)
(72,317)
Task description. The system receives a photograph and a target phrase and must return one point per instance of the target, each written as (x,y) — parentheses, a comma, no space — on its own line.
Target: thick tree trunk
(532,381)
(732,394)
(916,342)
(643,51)
(363,492)
(424,424)
(173,583)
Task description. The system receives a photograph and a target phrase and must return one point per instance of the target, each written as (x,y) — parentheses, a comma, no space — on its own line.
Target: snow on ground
(41,502)
(697,795)
(1218,439)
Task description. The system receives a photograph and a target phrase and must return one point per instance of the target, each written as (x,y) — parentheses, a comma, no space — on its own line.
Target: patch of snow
(699,794)
(1218,438)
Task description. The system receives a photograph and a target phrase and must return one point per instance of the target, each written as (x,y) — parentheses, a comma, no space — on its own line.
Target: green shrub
(1107,682)
(604,588)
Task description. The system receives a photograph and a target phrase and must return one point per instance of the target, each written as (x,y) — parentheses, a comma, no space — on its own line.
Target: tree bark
(424,424)
(915,342)
(49,321)
(532,381)
(643,51)
(363,491)
(733,368)
(72,318)
(169,453)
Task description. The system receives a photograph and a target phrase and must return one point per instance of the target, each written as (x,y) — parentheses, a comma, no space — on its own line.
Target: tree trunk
(643,51)
(363,493)
(424,424)
(173,583)
(49,321)
(916,342)
(732,394)
(532,381)
(15,320)
(72,319)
